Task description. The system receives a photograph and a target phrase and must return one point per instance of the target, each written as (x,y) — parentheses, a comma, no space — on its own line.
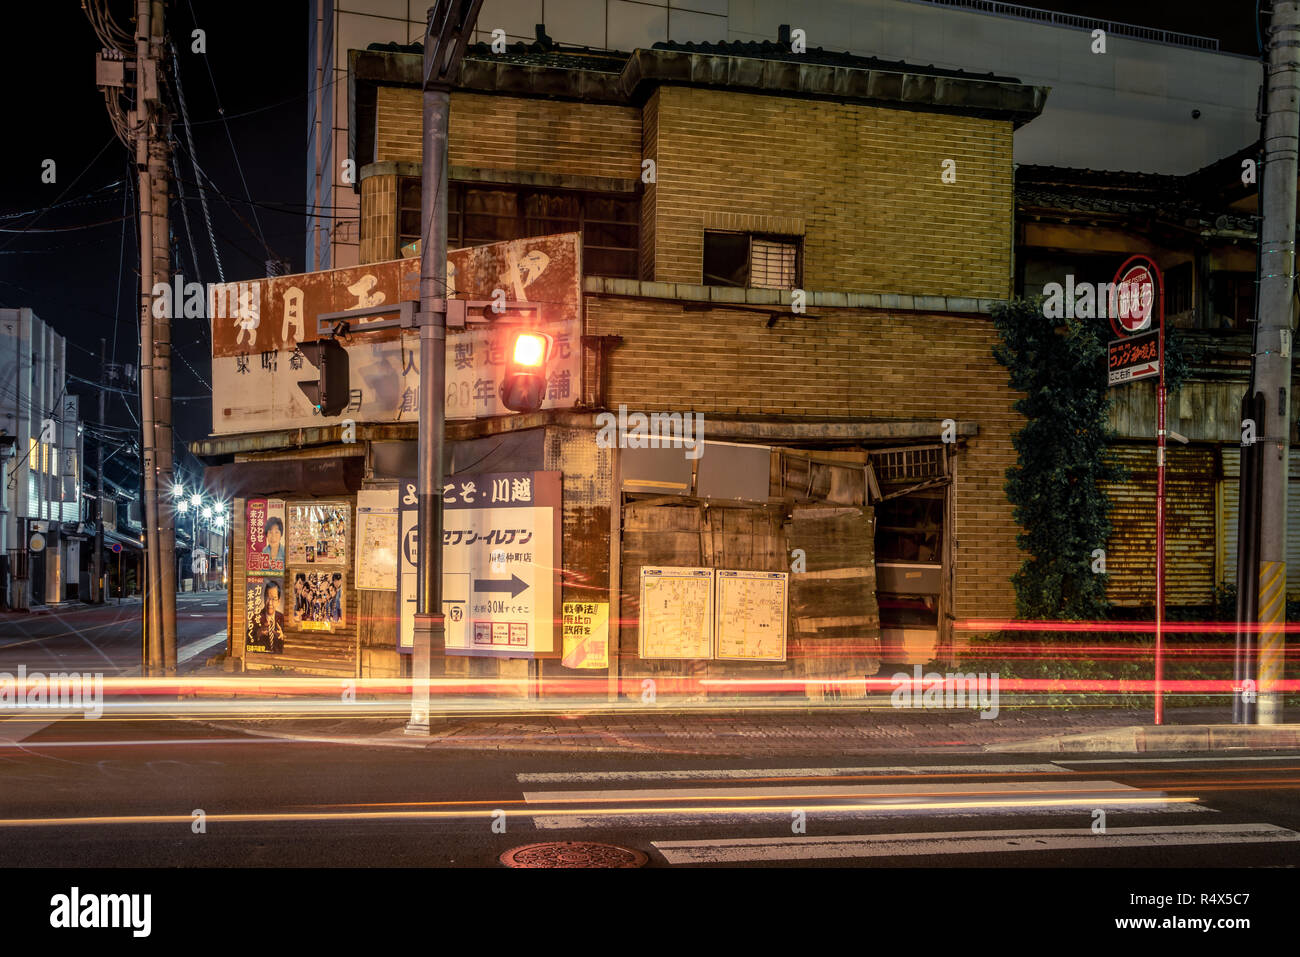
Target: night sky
(75,264)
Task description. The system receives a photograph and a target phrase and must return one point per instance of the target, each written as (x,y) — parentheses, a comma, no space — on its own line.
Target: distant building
(40,492)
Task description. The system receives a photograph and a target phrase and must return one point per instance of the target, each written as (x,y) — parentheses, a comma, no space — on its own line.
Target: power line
(67,189)
(203,201)
(207,62)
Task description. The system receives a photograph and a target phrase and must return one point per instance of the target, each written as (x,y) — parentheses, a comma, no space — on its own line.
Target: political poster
(585,627)
(318,600)
(264,535)
(264,615)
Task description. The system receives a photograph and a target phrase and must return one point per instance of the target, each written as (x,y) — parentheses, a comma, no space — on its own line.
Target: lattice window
(915,464)
(772,264)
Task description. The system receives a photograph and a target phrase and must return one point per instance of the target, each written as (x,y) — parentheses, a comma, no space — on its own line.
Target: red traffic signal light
(524,388)
(329,393)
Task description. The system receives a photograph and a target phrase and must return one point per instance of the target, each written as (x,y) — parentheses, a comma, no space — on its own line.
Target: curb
(1142,738)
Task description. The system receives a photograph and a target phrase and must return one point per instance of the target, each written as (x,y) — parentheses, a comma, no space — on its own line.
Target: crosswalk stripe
(866,791)
(578,777)
(740,850)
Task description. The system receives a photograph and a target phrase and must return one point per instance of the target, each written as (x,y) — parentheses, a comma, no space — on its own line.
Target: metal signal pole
(450,24)
(1273,359)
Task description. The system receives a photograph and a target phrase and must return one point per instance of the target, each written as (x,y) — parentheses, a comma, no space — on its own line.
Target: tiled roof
(545,52)
(1154,196)
(771,50)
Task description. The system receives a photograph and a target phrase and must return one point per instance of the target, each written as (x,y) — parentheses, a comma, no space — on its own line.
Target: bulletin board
(676,612)
(751,612)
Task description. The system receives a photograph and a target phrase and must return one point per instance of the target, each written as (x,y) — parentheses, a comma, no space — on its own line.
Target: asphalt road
(106,638)
(114,792)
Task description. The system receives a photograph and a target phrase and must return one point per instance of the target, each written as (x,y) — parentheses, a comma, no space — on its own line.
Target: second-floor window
(479,215)
(751,260)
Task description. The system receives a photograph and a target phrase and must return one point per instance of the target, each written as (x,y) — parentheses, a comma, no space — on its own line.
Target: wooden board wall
(833,625)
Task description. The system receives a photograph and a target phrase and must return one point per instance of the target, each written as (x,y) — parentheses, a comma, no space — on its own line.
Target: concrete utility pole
(450,24)
(1273,359)
(151,154)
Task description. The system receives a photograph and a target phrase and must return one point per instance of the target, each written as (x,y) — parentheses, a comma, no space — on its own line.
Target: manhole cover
(573,854)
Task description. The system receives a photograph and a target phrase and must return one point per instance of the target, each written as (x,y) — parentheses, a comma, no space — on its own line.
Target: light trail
(535,810)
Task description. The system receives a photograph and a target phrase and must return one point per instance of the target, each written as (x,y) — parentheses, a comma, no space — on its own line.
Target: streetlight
(178,491)
(196,499)
(182,506)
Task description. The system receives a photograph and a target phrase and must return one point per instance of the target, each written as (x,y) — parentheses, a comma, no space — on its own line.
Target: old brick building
(802,253)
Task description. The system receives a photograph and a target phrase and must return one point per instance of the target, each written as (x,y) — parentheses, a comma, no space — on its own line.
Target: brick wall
(864,179)
(513,133)
(378,219)
(649,198)
(843,363)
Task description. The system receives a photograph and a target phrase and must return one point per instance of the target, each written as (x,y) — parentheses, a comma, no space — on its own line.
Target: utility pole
(96,586)
(146,93)
(1273,359)
(450,24)
(151,154)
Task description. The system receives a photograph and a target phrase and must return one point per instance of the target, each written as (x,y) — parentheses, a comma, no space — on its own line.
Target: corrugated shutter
(1293,528)
(1190,539)
(1229,511)
(1229,514)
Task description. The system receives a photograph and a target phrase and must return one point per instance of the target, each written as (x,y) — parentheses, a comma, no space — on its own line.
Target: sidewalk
(799,732)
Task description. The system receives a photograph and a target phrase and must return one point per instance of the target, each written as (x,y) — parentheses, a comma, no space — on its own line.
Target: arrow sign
(515,585)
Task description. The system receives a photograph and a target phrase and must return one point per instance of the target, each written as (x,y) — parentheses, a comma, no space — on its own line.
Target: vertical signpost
(1139,353)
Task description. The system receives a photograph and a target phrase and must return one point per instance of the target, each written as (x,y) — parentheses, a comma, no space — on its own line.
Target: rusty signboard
(258,325)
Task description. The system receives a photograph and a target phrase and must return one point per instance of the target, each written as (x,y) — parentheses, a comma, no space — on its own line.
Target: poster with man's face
(264,615)
(317,599)
(265,535)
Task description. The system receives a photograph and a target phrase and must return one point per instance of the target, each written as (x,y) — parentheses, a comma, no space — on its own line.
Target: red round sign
(1133,301)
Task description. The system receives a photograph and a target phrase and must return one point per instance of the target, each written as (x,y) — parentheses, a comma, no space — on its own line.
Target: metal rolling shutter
(1190,532)
(1229,510)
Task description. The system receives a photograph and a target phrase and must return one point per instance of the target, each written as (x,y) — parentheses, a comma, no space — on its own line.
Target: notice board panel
(376,541)
(751,613)
(676,612)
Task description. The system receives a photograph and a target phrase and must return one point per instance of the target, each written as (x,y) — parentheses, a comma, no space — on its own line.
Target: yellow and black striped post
(1272,639)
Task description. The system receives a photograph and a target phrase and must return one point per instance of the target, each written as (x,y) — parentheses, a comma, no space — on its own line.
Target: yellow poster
(586,634)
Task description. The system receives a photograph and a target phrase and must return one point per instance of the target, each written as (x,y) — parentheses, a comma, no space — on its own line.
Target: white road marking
(738,850)
(578,777)
(196,648)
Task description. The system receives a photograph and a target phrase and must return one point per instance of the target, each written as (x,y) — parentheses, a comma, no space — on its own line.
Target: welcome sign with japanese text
(500,561)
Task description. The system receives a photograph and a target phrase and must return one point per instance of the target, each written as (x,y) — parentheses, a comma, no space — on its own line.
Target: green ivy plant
(1062,461)
(1063,454)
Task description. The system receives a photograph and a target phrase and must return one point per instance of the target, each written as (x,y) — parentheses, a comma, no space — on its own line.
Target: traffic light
(524,388)
(329,393)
